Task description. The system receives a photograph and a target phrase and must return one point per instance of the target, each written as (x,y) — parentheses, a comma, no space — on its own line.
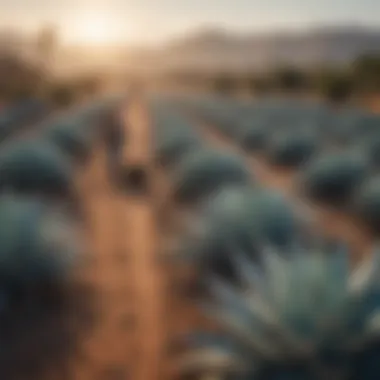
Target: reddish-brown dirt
(125,342)
(139,307)
(109,351)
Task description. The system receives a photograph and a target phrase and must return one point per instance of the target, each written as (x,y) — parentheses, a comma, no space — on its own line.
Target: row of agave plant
(288,302)
(14,117)
(334,152)
(40,218)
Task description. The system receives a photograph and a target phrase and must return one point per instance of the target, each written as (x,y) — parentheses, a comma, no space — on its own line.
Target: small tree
(224,84)
(289,79)
(89,86)
(335,86)
(62,94)
(366,73)
(18,77)
(259,84)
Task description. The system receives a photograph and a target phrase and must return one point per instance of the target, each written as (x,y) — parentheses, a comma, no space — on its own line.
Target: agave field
(191,237)
(271,217)
(14,119)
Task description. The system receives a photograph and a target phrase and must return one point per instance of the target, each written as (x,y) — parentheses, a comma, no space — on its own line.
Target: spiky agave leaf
(70,139)
(308,313)
(237,219)
(35,167)
(39,245)
(203,172)
(334,177)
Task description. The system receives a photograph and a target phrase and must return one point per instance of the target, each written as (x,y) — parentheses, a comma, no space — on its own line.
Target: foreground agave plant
(307,316)
(238,218)
(39,246)
(35,167)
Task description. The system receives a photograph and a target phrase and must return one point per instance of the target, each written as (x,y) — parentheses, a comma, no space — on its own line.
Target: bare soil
(130,312)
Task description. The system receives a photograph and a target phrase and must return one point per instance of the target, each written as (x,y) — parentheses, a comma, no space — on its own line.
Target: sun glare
(95,29)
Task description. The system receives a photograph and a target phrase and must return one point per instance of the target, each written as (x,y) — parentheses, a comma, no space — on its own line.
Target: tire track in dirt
(108,352)
(143,243)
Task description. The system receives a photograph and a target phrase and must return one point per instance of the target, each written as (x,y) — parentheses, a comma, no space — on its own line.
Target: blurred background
(75,159)
(69,49)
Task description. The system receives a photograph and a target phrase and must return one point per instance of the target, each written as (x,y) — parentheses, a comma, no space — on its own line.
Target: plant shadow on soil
(40,340)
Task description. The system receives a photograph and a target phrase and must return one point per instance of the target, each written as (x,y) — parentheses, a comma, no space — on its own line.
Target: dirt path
(144,243)
(108,352)
(124,336)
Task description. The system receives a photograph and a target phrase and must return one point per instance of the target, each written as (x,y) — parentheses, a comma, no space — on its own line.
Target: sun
(94,29)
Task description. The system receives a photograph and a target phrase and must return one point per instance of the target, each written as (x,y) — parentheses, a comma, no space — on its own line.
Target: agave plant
(292,149)
(174,136)
(6,125)
(304,316)
(174,146)
(35,167)
(203,172)
(253,139)
(238,219)
(70,139)
(367,204)
(333,178)
(39,245)
(372,147)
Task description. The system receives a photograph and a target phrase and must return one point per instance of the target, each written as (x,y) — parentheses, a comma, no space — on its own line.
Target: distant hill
(216,49)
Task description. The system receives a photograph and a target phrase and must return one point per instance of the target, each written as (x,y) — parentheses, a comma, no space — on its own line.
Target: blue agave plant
(301,316)
(174,146)
(39,246)
(372,147)
(174,135)
(292,149)
(367,204)
(203,172)
(254,138)
(70,139)
(238,218)
(35,167)
(334,177)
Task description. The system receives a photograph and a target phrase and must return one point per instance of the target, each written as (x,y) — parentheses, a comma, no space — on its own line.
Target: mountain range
(217,49)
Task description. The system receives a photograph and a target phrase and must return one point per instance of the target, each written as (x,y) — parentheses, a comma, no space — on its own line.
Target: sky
(150,21)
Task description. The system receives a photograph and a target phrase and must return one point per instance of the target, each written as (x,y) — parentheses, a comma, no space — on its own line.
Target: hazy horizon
(155,21)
